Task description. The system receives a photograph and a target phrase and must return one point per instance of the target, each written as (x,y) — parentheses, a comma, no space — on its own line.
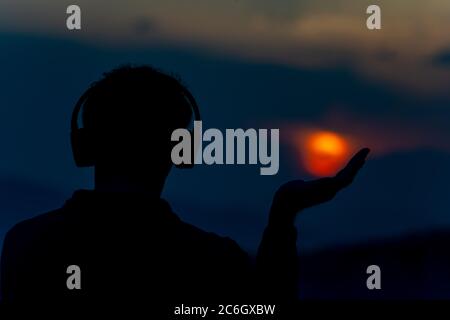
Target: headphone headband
(192,103)
(77,109)
(83,147)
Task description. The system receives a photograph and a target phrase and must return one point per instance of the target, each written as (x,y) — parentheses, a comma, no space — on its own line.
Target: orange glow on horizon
(324,153)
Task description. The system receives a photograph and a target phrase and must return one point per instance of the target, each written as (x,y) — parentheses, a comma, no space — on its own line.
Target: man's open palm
(297,195)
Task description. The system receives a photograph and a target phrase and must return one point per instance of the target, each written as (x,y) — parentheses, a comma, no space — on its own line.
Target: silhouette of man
(128,244)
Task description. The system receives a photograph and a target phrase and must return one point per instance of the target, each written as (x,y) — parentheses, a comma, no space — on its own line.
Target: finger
(347,174)
(357,161)
(359,158)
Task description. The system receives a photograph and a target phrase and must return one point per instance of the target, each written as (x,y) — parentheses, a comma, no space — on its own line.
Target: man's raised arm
(277,261)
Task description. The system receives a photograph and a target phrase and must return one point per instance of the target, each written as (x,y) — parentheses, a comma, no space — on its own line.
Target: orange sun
(324,153)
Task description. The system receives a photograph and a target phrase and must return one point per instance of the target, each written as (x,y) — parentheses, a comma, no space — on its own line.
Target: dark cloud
(22,199)
(143,26)
(442,59)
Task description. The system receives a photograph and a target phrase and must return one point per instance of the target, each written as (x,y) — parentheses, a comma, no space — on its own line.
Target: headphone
(82,139)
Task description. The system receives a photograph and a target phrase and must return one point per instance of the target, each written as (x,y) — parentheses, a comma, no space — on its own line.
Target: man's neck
(124,184)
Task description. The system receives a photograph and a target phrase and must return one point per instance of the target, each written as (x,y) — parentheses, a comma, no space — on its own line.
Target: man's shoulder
(31,229)
(211,240)
(201,234)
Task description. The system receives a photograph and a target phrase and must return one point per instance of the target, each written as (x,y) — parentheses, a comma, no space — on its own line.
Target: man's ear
(83,149)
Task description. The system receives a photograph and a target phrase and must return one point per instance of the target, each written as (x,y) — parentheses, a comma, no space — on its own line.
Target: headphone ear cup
(82,147)
(193,152)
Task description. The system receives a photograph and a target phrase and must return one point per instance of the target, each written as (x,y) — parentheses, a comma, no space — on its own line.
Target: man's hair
(130,96)
(133,108)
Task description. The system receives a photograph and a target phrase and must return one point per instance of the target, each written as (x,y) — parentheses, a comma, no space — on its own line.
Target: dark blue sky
(399,191)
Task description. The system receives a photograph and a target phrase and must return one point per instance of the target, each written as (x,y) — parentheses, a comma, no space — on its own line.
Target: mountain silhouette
(414,266)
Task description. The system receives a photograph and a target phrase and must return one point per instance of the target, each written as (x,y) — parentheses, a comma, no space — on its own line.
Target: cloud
(144,26)
(442,59)
(308,33)
(22,199)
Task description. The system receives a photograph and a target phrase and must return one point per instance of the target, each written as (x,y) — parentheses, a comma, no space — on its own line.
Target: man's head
(130,115)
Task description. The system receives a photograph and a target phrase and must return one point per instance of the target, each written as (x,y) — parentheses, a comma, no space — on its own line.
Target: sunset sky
(297,33)
(302,66)
(411,54)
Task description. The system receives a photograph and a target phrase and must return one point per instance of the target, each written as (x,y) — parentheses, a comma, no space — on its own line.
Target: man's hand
(297,195)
